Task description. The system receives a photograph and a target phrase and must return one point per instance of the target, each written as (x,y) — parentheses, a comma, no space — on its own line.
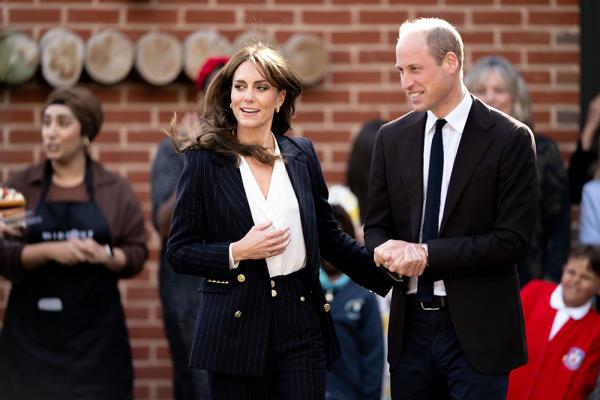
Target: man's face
(426,84)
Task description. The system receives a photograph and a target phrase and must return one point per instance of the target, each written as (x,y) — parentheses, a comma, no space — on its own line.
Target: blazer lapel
(297,170)
(474,143)
(230,183)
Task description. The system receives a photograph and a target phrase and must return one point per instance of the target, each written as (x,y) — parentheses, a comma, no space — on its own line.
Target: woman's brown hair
(217,128)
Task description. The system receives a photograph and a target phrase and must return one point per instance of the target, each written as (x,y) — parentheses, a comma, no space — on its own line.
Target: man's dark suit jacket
(211,212)
(488,221)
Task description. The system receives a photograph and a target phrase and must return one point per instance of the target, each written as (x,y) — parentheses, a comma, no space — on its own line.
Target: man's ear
(451,61)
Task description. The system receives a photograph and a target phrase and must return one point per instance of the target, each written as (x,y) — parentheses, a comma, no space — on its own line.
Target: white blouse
(280,207)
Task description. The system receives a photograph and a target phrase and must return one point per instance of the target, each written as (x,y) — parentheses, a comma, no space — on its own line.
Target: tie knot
(439,124)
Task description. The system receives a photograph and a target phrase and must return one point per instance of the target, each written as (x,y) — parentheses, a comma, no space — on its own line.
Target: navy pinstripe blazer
(211,212)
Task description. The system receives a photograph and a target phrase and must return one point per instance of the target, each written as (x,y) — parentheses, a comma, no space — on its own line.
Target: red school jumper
(565,367)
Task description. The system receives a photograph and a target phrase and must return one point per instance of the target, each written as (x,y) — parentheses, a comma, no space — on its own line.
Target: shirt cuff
(232,265)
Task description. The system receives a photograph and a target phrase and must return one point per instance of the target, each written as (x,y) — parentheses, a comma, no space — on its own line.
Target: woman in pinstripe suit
(252,218)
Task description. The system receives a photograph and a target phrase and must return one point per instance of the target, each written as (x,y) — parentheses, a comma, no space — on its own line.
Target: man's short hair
(441,37)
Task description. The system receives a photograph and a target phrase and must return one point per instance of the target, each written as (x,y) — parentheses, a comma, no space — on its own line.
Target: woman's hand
(71,252)
(96,253)
(260,243)
(7,231)
(76,251)
(68,252)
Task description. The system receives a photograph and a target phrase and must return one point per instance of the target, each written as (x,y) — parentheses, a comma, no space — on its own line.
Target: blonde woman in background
(496,82)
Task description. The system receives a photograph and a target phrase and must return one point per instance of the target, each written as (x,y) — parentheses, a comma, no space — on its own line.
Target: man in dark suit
(452,199)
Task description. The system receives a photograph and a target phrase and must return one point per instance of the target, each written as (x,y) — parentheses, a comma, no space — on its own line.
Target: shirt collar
(277,151)
(557,303)
(456,119)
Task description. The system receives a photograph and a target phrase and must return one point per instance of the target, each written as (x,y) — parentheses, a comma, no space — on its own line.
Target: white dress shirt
(564,313)
(451,135)
(280,207)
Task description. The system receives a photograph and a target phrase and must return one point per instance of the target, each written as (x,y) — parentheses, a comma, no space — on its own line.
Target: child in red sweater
(563,333)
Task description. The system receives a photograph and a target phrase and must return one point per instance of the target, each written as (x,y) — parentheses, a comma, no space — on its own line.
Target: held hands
(260,242)
(402,258)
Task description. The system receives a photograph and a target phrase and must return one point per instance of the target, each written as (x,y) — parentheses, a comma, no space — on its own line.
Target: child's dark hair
(592,253)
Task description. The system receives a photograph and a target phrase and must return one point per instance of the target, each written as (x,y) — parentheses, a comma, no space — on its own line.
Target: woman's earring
(277,109)
(231,105)
(85,142)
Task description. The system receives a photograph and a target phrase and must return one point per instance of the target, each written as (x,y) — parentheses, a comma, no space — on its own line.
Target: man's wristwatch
(426,248)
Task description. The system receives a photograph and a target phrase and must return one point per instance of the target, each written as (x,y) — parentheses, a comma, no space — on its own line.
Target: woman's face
(493,91)
(253,98)
(61,134)
(579,282)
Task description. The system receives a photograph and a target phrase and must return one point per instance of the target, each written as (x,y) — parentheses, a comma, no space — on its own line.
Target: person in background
(358,373)
(359,164)
(10,251)
(589,216)
(178,294)
(581,167)
(451,210)
(496,82)
(64,333)
(563,333)
(255,227)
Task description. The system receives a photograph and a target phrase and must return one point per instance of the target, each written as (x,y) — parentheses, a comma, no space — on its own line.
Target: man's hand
(411,262)
(400,257)
(388,251)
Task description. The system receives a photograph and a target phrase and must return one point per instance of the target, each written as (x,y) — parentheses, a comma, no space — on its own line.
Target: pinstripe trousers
(296,360)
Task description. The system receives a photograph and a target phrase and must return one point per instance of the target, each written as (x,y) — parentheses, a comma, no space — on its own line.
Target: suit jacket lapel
(474,143)
(410,156)
(230,183)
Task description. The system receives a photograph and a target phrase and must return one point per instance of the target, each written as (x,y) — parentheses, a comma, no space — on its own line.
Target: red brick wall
(539,36)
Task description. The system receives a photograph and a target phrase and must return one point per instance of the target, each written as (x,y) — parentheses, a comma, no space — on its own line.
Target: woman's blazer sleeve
(337,247)
(190,248)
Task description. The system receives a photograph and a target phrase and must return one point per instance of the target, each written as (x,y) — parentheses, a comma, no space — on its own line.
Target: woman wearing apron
(64,333)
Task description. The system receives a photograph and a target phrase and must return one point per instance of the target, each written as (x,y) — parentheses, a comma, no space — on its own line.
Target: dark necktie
(432,203)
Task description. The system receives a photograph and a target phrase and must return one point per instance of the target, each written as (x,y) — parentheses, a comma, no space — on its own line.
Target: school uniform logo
(353,307)
(573,359)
